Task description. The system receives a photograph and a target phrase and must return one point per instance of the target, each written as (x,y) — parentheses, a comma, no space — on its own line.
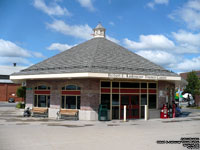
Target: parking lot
(18,133)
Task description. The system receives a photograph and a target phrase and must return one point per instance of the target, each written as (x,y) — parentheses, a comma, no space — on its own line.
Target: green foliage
(21,92)
(20,105)
(193,86)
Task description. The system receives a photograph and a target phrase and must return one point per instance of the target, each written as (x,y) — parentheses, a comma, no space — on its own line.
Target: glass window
(115,112)
(78,88)
(129,85)
(152,101)
(143,99)
(63,102)
(42,101)
(71,87)
(144,85)
(42,87)
(78,102)
(105,100)
(115,99)
(125,100)
(115,84)
(142,111)
(48,100)
(35,101)
(135,100)
(71,102)
(105,84)
(152,85)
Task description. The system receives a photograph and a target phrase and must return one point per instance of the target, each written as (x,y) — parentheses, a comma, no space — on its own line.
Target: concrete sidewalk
(18,133)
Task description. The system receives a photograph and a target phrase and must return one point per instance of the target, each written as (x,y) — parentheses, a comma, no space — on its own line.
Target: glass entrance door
(132,106)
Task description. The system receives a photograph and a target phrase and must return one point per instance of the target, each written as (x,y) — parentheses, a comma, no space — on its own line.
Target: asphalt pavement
(19,133)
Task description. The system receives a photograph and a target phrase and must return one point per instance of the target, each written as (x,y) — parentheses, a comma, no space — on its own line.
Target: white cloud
(150,42)
(52,9)
(87,4)
(189,64)
(37,54)
(11,53)
(112,39)
(10,49)
(78,31)
(60,47)
(155,2)
(7,70)
(159,57)
(187,37)
(111,23)
(11,60)
(188,13)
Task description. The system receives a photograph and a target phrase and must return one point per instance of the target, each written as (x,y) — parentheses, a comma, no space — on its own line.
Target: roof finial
(99,31)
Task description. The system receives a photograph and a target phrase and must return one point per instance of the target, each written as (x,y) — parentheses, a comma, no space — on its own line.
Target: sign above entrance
(149,77)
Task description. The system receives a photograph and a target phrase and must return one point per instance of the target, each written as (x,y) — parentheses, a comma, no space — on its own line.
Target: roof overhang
(18,78)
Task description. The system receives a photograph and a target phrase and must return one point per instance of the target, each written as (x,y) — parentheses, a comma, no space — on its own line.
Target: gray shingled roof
(97,55)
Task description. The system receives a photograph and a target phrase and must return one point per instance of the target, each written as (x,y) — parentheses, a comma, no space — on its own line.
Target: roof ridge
(94,53)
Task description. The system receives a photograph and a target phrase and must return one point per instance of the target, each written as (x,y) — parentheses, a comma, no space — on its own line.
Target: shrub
(20,105)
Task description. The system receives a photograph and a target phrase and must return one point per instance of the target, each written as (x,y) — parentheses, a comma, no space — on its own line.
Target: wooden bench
(63,113)
(40,111)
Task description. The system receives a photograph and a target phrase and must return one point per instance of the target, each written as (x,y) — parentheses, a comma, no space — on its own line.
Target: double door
(132,106)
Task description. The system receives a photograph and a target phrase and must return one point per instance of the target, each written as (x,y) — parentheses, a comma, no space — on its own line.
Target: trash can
(103,113)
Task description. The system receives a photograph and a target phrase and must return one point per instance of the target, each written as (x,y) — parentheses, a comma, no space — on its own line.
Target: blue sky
(166,32)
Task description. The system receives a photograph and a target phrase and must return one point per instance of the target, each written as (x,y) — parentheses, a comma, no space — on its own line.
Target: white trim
(94,75)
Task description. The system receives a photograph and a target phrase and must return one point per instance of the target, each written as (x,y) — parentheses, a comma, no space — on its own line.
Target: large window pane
(142,111)
(48,100)
(115,84)
(144,85)
(124,100)
(71,102)
(134,99)
(105,100)
(42,101)
(115,112)
(152,85)
(152,101)
(63,102)
(105,84)
(71,87)
(42,87)
(129,85)
(78,102)
(143,99)
(35,101)
(115,99)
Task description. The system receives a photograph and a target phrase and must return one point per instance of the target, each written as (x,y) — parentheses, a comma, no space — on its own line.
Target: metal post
(146,112)
(124,113)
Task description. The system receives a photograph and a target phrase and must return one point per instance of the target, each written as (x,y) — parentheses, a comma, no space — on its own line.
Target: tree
(193,86)
(21,92)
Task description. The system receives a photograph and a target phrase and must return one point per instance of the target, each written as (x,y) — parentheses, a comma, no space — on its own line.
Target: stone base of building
(154,113)
(88,115)
(53,113)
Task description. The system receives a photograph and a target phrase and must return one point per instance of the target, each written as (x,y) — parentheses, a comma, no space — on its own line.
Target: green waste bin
(103,112)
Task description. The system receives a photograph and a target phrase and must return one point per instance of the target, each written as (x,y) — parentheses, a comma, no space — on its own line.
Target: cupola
(99,31)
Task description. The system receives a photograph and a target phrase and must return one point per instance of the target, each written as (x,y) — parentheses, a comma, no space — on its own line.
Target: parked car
(11,100)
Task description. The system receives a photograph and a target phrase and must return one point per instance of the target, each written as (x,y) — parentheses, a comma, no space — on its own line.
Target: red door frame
(129,107)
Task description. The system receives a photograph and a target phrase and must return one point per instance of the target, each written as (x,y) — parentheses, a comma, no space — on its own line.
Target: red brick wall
(9,90)
(89,91)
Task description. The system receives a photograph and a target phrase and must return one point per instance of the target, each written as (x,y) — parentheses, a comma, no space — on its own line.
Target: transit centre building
(96,72)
